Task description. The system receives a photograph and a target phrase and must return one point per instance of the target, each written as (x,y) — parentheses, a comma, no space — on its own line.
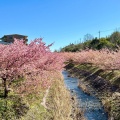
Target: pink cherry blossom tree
(104,59)
(20,60)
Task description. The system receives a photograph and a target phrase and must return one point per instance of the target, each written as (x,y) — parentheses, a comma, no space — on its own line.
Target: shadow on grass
(13,107)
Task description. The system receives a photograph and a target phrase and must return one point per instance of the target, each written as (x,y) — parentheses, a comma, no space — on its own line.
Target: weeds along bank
(60,102)
(99,74)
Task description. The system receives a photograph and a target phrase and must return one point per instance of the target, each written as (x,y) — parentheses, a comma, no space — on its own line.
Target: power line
(117,29)
(99,32)
(108,30)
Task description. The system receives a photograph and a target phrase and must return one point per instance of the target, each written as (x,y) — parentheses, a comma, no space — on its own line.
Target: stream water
(92,107)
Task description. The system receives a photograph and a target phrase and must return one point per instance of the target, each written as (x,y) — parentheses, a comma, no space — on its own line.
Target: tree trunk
(5,88)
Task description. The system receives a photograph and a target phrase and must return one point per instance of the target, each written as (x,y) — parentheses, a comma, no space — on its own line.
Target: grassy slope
(58,101)
(105,83)
(59,104)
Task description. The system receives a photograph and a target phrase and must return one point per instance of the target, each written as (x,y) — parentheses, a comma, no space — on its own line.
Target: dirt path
(44,98)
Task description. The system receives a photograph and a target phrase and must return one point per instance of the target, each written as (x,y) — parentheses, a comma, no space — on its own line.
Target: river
(92,107)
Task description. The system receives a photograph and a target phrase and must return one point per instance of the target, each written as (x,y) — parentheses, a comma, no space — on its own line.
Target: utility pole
(99,35)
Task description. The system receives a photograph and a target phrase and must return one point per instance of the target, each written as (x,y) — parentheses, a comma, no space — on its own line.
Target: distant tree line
(111,42)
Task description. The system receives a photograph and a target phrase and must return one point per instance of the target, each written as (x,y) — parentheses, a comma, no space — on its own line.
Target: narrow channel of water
(90,104)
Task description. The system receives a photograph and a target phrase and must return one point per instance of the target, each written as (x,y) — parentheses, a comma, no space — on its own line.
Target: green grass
(12,108)
(59,102)
(112,76)
(36,111)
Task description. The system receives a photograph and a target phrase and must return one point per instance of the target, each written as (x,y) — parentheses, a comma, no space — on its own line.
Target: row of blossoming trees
(30,65)
(34,65)
(104,59)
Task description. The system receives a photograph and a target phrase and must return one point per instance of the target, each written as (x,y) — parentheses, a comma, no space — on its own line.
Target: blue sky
(59,21)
